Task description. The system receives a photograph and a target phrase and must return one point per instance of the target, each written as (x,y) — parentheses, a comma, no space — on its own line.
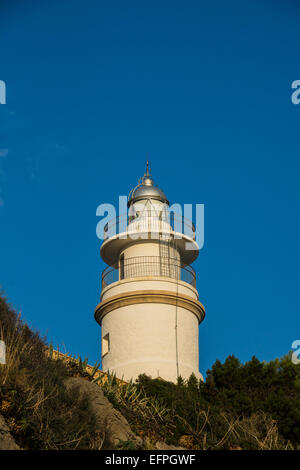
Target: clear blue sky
(204,88)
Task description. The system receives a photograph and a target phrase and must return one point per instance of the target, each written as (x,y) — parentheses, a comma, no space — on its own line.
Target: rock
(110,423)
(160,445)
(7,442)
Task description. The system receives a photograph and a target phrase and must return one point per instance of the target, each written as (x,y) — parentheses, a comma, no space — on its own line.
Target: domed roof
(145,189)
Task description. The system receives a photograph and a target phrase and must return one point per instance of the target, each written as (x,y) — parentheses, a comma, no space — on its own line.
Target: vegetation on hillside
(33,400)
(250,406)
(233,410)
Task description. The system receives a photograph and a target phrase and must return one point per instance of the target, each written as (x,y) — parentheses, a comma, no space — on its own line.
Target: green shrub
(258,386)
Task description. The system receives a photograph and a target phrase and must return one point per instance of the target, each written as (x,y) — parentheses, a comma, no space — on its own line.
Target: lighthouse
(149,311)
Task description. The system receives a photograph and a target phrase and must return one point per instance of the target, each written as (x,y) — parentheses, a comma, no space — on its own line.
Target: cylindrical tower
(149,309)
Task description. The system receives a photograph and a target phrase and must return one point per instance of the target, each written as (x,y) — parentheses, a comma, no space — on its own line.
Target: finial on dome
(147,167)
(146,189)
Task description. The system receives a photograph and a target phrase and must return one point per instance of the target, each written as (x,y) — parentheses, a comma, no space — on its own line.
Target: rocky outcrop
(160,445)
(7,442)
(110,423)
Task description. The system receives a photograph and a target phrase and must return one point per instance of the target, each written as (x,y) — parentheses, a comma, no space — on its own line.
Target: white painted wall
(143,340)
(141,249)
(128,285)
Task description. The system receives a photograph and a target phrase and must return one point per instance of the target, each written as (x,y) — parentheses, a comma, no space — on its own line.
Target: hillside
(50,403)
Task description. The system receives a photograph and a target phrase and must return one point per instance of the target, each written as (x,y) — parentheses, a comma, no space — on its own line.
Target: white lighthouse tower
(149,309)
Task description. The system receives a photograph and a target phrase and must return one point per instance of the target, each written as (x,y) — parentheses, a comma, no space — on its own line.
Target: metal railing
(149,221)
(148,266)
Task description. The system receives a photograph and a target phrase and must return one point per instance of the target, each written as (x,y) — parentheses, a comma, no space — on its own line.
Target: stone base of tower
(166,371)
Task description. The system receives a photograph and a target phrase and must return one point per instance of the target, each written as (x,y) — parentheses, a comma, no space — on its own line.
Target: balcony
(148,266)
(150,222)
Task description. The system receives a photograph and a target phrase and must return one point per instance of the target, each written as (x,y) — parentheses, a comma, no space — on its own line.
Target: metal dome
(145,189)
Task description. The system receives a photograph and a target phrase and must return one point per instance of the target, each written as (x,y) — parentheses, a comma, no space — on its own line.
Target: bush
(273,388)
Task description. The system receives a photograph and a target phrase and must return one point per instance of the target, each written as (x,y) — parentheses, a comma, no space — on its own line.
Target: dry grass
(40,412)
(16,346)
(258,432)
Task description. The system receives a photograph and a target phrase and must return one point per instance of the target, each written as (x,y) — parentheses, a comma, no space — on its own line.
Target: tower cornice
(149,296)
